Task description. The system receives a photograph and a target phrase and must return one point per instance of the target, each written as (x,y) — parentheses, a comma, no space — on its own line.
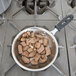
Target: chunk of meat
(45,42)
(25,54)
(27,42)
(39,36)
(43,52)
(37,57)
(37,45)
(33,62)
(35,49)
(41,41)
(48,51)
(37,39)
(19,49)
(32,40)
(23,43)
(43,59)
(30,50)
(32,54)
(40,49)
(31,46)
(32,34)
(28,33)
(23,39)
(25,48)
(24,35)
(25,59)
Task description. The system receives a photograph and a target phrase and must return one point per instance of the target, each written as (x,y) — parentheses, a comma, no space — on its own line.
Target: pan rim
(29,69)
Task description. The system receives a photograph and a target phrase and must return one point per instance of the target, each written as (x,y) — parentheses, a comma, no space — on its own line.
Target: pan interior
(52,46)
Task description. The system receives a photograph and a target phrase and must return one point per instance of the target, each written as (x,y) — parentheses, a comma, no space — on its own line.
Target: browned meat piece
(25,48)
(30,50)
(32,54)
(31,46)
(37,45)
(35,49)
(48,51)
(33,62)
(45,42)
(39,36)
(25,54)
(43,59)
(25,59)
(32,34)
(23,39)
(37,57)
(41,41)
(23,43)
(27,42)
(28,33)
(32,40)
(43,52)
(24,35)
(19,49)
(40,49)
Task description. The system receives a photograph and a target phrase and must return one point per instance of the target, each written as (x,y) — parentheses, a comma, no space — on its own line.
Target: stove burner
(72,3)
(41,6)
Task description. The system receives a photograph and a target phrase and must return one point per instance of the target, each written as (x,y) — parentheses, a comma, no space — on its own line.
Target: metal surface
(4,4)
(16,70)
(70,33)
(66,60)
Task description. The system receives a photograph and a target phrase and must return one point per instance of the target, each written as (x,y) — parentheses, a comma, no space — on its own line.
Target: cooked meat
(25,59)
(25,54)
(40,49)
(23,39)
(37,57)
(27,42)
(28,33)
(39,36)
(41,41)
(32,34)
(34,48)
(23,43)
(32,40)
(31,46)
(33,62)
(24,35)
(43,59)
(32,54)
(30,50)
(43,52)
(37,45)
(25,48)
(48,51)
(45,42)
(19,49)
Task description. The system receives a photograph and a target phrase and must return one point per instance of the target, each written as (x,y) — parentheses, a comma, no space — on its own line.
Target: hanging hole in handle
(68,18)
(63,23)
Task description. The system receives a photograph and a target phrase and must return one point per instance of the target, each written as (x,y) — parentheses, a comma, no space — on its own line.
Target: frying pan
(58,27)
(4,4)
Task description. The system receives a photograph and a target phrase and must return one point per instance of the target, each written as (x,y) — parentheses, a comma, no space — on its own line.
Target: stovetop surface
(16,21)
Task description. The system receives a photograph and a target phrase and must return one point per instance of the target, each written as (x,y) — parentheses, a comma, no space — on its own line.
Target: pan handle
(66,20)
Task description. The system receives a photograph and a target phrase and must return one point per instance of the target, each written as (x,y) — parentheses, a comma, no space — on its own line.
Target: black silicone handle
(66,20)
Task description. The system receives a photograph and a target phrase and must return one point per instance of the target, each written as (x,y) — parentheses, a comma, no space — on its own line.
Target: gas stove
(46,14)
